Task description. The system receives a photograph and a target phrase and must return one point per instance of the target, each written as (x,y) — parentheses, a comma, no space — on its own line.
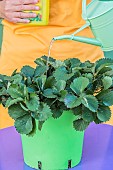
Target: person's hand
(13,10)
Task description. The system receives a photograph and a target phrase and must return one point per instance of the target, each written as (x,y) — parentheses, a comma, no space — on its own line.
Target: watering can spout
(98,18)
(91,41)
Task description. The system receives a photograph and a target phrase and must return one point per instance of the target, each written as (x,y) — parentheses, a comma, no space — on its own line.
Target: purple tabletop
(97,149)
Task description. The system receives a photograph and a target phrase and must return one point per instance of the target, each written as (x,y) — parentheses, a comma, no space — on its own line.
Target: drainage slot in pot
(39,165)
(69,164)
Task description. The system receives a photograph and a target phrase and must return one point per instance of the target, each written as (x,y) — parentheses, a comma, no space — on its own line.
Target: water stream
(49,52)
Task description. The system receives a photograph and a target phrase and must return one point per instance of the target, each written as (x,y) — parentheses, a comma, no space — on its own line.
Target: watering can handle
(84,11)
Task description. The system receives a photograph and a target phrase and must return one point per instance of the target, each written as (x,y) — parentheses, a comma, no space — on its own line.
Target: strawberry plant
(54,86)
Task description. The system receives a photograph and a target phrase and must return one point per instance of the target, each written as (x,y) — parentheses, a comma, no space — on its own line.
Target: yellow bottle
(42,17)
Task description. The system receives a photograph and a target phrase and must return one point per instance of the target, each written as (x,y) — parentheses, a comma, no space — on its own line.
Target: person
(22,44)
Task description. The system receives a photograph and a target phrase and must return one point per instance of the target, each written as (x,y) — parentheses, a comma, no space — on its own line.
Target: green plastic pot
(57,146)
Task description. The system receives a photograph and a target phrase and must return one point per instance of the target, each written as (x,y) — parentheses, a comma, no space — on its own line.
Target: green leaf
(23,107)
(104,70)
(104,113)
(79,85)
(109,73)
(43,113)
(14,91)
(33,102)
(62,96)
(46,58)
(14,72)
(31,89)
(24,124)
(16,79)
(40,124)
(4,77)
(100,64)
(60,85)
(39,61)
(50,82)
(23,89)
(101,93)
(3,91)
(15,111)
(77,110)
(87,115)
(80,125)
(49,93)
(29,81)
(62,74)
(89,76)
(97,121)
(87,64)
(90,102)
(87,67)
(34,129)
(56,113)
(72,101)
(27,71)
(40,81)
(107,82)
(106,97)
(57,64)
(73,62)
(40,70)
(11,101)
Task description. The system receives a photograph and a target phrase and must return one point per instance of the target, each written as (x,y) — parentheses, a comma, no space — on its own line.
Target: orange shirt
(23,44)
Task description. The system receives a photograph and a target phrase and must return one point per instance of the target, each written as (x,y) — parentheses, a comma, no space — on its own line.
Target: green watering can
(99,17)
